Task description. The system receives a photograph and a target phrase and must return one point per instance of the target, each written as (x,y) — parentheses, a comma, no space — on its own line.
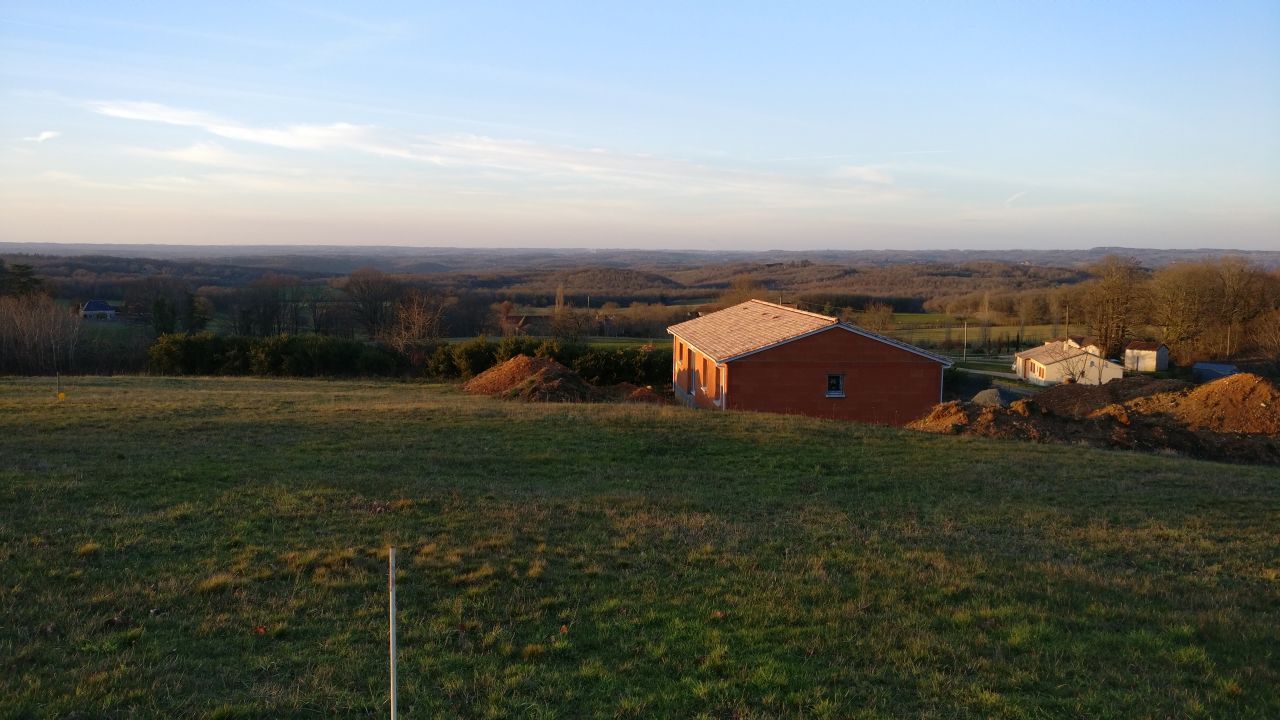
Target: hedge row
(289,355)
(600,366)
(322,356)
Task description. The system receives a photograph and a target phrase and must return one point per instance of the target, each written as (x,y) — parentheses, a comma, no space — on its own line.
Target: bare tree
(1073,362)
(741,289)
(373,292)
(418,317)
(1182,302)
(37,336)
(1112,304)
(508,322)
(877,317)
(1240,284)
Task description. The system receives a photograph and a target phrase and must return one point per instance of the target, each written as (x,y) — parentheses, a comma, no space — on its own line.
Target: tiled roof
(1144,345)
(755,325)
(1051,352)
(752,325)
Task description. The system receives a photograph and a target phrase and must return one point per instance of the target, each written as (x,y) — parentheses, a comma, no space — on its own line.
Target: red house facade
(772,358)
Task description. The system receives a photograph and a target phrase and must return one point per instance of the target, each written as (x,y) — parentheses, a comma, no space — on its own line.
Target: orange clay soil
(1235,419)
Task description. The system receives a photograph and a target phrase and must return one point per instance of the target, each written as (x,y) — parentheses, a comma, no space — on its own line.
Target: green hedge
(321,356)
(286,355)
(600,366)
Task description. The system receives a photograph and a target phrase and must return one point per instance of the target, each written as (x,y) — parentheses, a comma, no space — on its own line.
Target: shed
(1146,356)
(767,357)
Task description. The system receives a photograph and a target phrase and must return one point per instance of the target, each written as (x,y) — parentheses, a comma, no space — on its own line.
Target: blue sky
(652,125)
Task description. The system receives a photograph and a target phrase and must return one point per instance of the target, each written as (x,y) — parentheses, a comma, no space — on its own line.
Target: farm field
(216,548)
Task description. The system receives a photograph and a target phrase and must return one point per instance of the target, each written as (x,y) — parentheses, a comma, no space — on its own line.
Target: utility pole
(964,354)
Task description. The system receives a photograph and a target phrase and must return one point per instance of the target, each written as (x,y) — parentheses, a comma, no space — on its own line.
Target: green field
(216,548)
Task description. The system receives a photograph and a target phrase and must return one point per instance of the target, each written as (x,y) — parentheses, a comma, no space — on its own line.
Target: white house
(1088,344)
(1059,361)
(1146,356)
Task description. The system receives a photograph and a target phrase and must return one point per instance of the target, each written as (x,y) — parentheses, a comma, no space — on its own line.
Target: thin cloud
(292,137)
(204,153)
(43,137)
(864,173)
(1014,197)
(572,169)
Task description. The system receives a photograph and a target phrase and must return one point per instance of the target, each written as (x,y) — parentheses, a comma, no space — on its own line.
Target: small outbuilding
(97,310)
(767,357)
(1146,356)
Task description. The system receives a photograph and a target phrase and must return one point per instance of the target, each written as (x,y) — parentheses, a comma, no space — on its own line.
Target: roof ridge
(794,310)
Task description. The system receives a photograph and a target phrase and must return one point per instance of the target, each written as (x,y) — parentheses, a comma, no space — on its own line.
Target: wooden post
(391,605)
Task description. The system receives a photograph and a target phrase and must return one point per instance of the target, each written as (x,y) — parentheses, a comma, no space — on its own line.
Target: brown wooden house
(773,358)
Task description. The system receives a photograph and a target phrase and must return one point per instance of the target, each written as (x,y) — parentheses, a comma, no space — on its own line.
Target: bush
(565,353)
(285,355)
(641,366)
(474,356)
(440,363)
(186,354)
(509,347)
(601,367)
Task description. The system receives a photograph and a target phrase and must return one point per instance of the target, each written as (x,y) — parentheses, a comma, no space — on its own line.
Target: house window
(835,385)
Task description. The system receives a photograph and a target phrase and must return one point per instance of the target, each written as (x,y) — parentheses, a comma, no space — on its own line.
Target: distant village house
(1146,356)
(772,358)
(1071,359)
(98,310)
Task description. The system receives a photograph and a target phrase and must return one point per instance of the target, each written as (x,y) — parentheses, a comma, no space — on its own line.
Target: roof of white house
(1054,352)
(756,325)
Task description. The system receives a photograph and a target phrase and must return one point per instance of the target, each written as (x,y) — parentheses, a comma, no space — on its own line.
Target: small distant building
(1206,372)
(771,358)
(1146,356)
(98,310)
(1059,361)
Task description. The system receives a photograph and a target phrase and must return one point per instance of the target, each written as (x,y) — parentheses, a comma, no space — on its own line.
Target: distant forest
(1204,304)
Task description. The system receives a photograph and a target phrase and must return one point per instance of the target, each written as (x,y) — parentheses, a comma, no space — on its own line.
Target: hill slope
(215,548)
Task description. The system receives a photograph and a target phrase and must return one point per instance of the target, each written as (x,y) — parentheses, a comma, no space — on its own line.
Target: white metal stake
(391,590)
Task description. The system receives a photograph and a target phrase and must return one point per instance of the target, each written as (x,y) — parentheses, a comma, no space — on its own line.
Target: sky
(735,125)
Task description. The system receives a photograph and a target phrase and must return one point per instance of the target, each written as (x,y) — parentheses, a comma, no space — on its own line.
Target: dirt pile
(1236,419)
(1077,401)
(644,394)
(535,380)
(1241,403)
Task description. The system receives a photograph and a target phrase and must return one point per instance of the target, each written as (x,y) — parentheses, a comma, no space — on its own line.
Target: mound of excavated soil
(1241,403)
(533,379)
(645,395)
(1236,419)
(1075,400)
(504,376)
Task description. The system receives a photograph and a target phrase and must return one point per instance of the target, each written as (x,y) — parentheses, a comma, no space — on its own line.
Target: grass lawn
(216,548)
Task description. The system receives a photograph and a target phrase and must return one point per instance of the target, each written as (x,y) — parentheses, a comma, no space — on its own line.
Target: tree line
(1217,309)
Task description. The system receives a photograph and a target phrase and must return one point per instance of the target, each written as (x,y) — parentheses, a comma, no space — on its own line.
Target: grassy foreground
(216,548)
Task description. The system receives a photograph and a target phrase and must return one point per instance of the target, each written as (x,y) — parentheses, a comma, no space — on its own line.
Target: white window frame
(835,393)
